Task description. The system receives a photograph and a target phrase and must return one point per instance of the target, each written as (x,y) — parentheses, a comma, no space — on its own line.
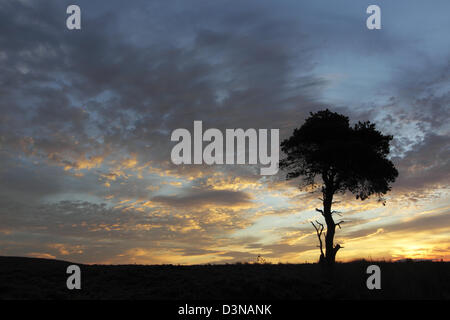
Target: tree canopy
(352,158)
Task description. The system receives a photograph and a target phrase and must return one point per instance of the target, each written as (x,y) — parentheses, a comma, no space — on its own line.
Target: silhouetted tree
(336,157)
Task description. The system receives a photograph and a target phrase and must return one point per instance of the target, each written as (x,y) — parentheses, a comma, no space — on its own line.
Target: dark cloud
(209,197)
(426,165)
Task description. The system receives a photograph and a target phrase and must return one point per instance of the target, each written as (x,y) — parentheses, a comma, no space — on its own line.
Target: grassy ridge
(29,278)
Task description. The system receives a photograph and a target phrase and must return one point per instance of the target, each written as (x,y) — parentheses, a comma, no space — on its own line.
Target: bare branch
(321,225)
(318,210)
(339,224)
(336,212)
(319,234)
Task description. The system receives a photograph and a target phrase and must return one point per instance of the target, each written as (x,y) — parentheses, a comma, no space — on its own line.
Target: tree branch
(318,210)
(319,235)
(337,212)
(339,224)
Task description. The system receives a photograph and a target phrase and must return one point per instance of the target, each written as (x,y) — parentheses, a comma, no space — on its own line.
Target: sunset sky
(86,117)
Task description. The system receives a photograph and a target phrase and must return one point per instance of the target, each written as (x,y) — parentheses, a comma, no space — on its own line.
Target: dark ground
(30,278)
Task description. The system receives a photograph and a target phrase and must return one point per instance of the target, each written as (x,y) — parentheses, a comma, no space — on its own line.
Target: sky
(86,117)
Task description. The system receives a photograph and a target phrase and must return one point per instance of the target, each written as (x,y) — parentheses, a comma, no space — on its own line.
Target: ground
(30,278)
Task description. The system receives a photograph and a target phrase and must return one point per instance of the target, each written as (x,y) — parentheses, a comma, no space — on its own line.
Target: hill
(31,278)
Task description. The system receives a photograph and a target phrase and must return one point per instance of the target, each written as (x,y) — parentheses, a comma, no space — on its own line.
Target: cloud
(431,222)
(41,255)
(426,165)
(217,198)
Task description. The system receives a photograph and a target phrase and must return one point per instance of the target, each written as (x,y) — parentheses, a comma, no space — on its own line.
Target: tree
(334,157)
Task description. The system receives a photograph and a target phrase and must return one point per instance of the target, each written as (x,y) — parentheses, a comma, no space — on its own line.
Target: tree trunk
(330,249)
